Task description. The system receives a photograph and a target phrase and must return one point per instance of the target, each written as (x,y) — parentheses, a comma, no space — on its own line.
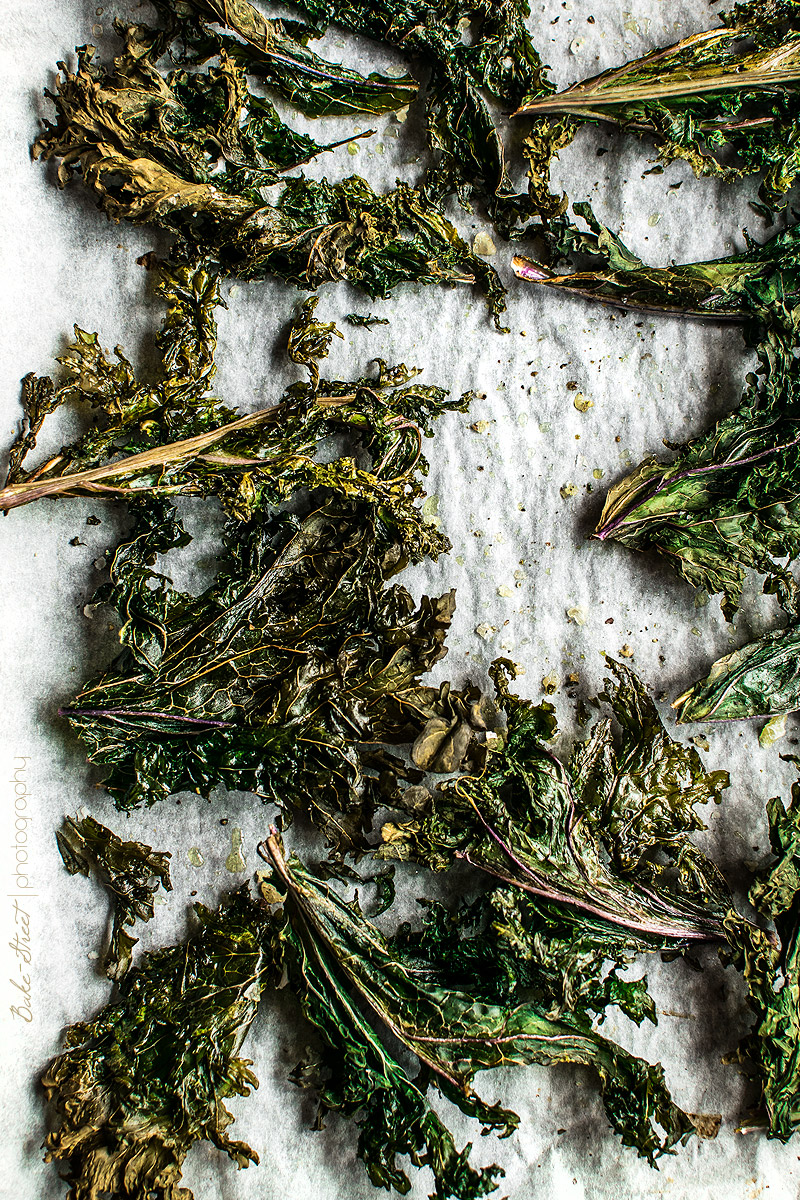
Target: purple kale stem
(71,711)
(661,927)
(611,528)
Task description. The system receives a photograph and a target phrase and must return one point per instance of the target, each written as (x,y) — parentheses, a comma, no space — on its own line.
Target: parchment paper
(520,560)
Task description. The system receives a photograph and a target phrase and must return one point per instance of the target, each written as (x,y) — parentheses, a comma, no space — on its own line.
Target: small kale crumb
(366,321)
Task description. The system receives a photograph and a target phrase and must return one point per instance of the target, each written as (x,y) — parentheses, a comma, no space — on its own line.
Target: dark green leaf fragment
(771,967)
(760,680)
(366,321)
(137,1086)
(131,872)
(332,954)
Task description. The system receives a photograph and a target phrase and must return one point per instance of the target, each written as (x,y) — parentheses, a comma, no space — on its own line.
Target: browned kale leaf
(194,151)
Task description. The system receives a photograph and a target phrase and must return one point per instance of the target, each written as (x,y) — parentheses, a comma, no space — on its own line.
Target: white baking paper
(520,561)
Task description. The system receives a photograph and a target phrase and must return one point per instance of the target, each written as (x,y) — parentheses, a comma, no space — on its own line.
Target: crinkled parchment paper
(520,561)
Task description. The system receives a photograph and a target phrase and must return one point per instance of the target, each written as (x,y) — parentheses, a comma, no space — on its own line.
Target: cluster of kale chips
(148,1077)
(291,673)
(591,864)
(298,675)
(196,151)
(727,101)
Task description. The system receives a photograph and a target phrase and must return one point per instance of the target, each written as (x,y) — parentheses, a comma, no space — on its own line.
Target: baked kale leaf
(172,437)
(771,967)
(728,503)
(282,678)
(131,873)
(734,288)
(497,62)
(603,841)
(440,1007)
(725,100)
(193,152)
(762,679)
(148,1077)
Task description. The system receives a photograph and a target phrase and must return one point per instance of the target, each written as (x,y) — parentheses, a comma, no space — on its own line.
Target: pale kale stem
(271,851)
(23,493)
(583,103)
(172,454)
(533,272)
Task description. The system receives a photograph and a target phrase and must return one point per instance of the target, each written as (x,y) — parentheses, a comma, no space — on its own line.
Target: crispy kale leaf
(725,289)
(771,967)
(278,679)
(173,437)
(345,971)
(192,152)
(276,53)
(137,1086)
(725,100)
(131,872)
(497,61)
(729,501)
(762,679)
(601,837)
(523,947)
(140,432)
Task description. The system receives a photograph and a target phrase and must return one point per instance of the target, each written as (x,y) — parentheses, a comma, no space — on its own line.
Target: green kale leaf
(348,976)
(771,967)
(728,503)
(606,837)
(281,678)
(131,873)
(148,1077)
(173,437)
(724,100)
(733,288)
(762,679)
